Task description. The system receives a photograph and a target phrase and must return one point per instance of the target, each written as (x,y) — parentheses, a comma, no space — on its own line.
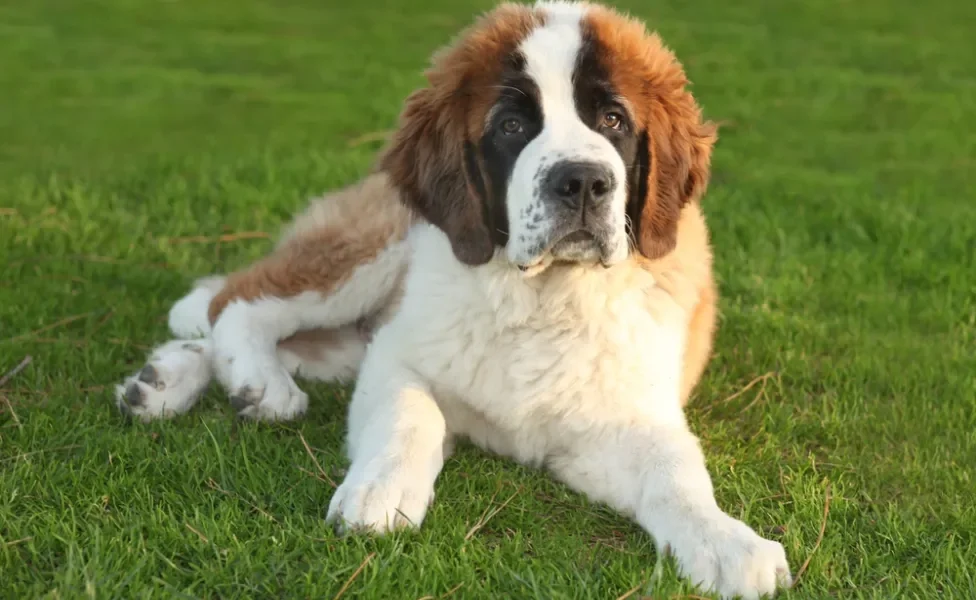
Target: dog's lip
(575,236)
(535,267)
(531,265)
(580,235)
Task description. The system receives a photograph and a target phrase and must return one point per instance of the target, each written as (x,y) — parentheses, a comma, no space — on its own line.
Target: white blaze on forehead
(551,52)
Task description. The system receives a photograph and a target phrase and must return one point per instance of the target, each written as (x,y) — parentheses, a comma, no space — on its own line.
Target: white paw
(172,381)
(269,397)
(188,318)
(259,385)
(247,363)
(727,557)
(381,497)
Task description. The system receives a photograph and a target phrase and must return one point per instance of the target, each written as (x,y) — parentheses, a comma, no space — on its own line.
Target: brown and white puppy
(529,268)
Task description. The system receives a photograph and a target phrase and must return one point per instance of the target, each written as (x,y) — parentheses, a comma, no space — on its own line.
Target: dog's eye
(511,126)
(613,120)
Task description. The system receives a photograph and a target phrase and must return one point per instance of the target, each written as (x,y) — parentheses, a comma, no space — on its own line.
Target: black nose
(579,184)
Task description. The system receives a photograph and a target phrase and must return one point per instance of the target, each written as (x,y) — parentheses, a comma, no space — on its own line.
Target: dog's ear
(437,171)
(673,168)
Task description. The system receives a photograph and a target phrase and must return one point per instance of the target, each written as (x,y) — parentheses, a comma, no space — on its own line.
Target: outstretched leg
(656,473)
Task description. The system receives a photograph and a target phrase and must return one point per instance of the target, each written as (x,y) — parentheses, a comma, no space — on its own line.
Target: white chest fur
(576,369)
(512,360)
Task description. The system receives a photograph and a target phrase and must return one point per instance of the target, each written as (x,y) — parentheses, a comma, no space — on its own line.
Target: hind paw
(177,373)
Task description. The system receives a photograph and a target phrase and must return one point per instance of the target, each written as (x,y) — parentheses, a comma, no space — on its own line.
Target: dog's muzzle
(578,194)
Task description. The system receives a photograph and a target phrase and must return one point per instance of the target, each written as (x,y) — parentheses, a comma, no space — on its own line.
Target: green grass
(843,217)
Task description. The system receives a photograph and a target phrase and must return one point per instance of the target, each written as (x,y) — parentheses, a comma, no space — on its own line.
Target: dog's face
(561,132)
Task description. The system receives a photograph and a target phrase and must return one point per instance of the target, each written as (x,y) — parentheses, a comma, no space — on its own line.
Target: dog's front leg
(397,437)
(656,474)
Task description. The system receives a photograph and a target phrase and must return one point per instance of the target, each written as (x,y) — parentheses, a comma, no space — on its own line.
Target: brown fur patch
(318,262)
(652,81)
(431,157)
(323,246)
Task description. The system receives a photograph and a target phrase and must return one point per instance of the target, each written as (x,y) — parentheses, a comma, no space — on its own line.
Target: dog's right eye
(511,126)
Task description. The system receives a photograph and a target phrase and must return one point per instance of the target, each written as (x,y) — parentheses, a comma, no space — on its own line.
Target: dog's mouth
(577,246)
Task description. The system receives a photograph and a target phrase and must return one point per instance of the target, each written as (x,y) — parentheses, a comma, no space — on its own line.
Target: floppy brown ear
(675,159)
(437,172)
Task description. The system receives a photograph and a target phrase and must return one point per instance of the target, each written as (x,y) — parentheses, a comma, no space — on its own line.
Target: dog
(528,267)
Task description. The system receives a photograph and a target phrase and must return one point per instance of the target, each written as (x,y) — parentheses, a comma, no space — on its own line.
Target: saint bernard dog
(528,268)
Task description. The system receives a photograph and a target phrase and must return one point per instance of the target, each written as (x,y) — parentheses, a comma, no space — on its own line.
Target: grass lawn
(135,133)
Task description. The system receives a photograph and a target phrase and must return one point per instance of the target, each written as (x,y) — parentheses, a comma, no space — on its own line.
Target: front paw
(381,501)
(724,555)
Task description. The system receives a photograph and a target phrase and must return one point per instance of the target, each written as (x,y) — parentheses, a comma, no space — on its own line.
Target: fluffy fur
(528,269)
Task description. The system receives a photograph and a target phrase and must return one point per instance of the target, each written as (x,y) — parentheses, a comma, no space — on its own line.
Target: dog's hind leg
(307,309)
(341,263)
(177,373)
(248,332)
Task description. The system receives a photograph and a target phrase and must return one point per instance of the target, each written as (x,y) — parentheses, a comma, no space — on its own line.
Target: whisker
(508,87)
(628,222)
(631,232)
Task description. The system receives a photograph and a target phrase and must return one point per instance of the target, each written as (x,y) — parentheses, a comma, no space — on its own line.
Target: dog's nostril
(600,187)
(571,187)
(575,186)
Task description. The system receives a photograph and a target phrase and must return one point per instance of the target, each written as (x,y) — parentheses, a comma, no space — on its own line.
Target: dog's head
(558,132)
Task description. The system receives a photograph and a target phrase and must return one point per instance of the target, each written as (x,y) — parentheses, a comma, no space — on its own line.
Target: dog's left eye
(511,126)
(613,120)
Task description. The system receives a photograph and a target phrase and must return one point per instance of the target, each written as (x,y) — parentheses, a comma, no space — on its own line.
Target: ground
(838,415)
